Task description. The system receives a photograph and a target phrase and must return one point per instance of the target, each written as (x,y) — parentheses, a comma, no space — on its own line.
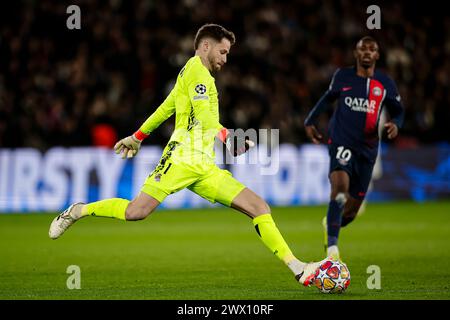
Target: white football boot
(308,275)
(63,221)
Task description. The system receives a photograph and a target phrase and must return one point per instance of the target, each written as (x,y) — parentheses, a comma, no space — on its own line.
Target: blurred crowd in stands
(61,87)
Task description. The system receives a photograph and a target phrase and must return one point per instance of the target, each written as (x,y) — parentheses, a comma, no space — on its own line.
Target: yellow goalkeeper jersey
(194,100)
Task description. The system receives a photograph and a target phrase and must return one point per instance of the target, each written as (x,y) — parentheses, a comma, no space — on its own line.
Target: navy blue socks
(334,221)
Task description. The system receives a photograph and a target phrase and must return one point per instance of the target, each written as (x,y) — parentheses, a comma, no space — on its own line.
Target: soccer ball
(332,277)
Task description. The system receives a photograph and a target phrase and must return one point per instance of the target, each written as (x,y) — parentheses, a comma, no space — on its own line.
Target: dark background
(94,85)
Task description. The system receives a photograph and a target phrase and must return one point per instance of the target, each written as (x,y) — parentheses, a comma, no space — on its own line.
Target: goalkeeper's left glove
(237,147)
(129,146)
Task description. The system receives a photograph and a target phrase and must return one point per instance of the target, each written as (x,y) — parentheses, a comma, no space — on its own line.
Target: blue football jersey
(354,123)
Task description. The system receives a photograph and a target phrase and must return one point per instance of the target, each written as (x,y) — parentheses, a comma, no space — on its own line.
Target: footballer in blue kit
(361,92)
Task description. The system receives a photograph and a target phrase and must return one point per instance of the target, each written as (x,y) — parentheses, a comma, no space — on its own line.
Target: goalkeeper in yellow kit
(188,158)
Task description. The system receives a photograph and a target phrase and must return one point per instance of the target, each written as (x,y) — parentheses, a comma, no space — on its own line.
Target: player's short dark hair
(215,32)
(367,39)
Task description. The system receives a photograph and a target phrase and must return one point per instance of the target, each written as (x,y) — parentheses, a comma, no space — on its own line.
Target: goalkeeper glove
(237,147)
(129,146)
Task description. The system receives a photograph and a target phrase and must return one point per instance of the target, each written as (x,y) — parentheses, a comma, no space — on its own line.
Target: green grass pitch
(216,254)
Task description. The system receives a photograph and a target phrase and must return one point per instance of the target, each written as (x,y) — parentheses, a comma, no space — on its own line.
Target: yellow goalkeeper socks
(110,208)
(272,238)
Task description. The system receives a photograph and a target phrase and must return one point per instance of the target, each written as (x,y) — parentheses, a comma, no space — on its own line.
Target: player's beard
(366,64)
(213,64)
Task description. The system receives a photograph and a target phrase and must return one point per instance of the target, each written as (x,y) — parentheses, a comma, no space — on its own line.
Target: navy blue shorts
(358,167)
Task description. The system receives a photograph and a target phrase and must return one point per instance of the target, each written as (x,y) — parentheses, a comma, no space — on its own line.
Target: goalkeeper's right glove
(129,146)
(237,147)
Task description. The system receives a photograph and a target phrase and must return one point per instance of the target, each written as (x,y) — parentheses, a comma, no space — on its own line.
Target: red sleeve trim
(222,135)
(140,135)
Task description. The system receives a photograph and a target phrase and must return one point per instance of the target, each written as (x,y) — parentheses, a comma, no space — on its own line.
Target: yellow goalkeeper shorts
(207,180)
